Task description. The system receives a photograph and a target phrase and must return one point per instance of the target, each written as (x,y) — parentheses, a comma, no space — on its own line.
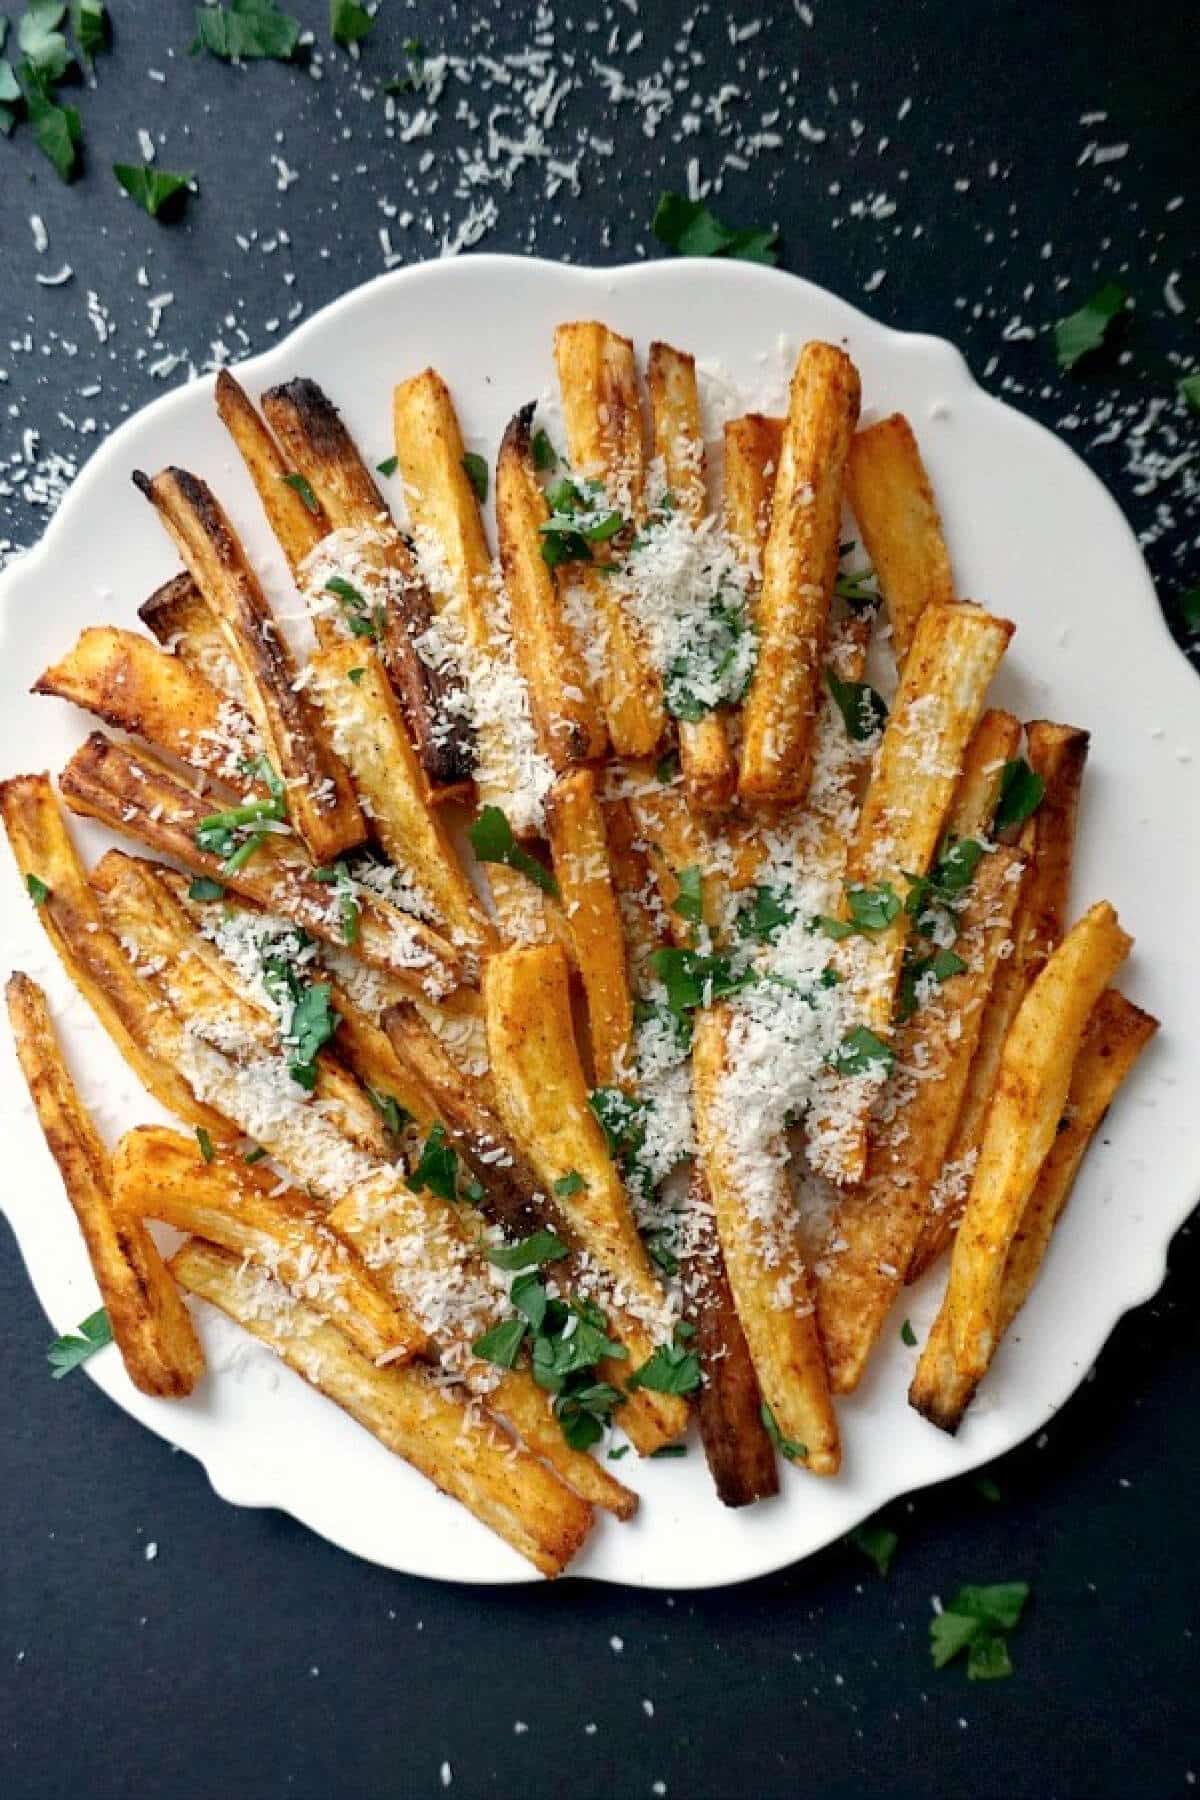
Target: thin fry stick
(299,522)
(579,843)
(890,497)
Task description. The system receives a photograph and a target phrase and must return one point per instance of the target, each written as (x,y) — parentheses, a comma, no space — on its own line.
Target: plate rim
(221,1476)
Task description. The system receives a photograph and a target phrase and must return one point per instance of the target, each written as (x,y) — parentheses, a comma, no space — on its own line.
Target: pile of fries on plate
(585,997)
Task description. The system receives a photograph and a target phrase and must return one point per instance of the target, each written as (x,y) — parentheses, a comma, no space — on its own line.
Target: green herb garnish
(73,1348)
(861,1052)
(786,1447)
(246,30)
(394,1116)
(690,229)
(908,1335)
(877,1543)
(493,841)
(255,1154)
(571,1183)
(768,914)
(1082,333)
(670,1370)
(689,901)
(302,486)
(203,887)
(476,470)
(437,1168)
(39,893)
(206,1144)
(544,454)
(502,1344)
(312,1025)
(153,189)
(349,22)
(1021,792)
(873,908)
(975,1621)
(541,1247)
(863,710)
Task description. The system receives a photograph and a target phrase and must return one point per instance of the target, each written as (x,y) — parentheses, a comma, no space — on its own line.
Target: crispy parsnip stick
(1027,1104)
(131,684)
(436,1429)
(876,1223)
(602,412)
(752,448)
(178,615)
(709,766)
(575,825)
(150,1323)
(1057,754)
(890,497)
(319,447)
(543,1099)
(767,1275)
(993,743)
(69,913)
(141,797)
(298,520)
(320,799)
(159,1175)
(799,569)
(729,1404)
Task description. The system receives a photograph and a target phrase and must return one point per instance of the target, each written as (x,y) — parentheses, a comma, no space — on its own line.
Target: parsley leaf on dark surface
(974,1621)
(349,22)
(493,841)
(42,44)
(89,23)
(787,1447)
(863,710)
(56,129)
(690,229)
(1189,388)
(73,1348)
(476,470)
(1082,333)
(1186,607)
(246,30)
(1021,792)
(877,1542)
(153,189)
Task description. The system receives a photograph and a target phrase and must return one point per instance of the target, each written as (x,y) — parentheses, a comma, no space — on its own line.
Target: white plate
(1032,534)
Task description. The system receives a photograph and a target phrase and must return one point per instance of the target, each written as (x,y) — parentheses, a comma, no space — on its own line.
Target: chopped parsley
(1187,608)
(312,1025)
(73,1348)
(1082,333)
(395,1117)
(302,486)
(493,841)
(1021,793)
(568,1184)
(621,1450)
(39,893)
(861,1052)
(575,522)
(361,620)
(530,1253)
(976,1620)
(660,1252)
(717,666)
(545,456)
(690,229)
(206,1144)
(502,1344)
(666,1451)
(768,913)
(877,1542)
(787,1447)
(203,887)
(89,22)
(156,191)
(622,1119)
(908,1335)
(219,833)
(1189,390)
(689,901)
(951,875)
(476,470)
(864,711)
(349,22)
(666,769)
(567,1340)
(987,1489)
(860,590)
(42,44)
(388,466)
(255,1154)
(437,1167)
(246,30)
(873,908)
(693,979)
(672,1369)
(938,967)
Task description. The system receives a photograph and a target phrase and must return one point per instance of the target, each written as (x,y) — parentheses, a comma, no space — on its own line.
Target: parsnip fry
(566,713)
(752,449)
(159,1175)
(876,1223)
(319,447)
(147,1038)
(799,569)
(575,825)
(543,1099)
(890,497)
(602,412)
(674,840)
(431,1426)
(1027,1104)
(178,615)
(366,728)
(993,743)
(709,766)
(320,799)
(299,522)
(135,794)
(765,1267)
(150,1323)
(729,1405)
(1057,754)
(130,683)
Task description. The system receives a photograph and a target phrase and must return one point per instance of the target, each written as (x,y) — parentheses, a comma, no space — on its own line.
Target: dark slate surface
(248,1658)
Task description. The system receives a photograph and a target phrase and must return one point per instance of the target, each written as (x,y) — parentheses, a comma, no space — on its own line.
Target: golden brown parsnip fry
(752,448)
(1058,754)
(890,497)
(954,655)
(317,444)
(1116,1034)
(602,412)
(321,802)
(139,796)
(367,1051)
(575,826)
(566,713)
(641,909)
(543,1099)
(150,1323)
(298,525)
(366,728)
(178,615)
(799,569)
(729,1405)
(431,1426)
(674,840)
(70,916)
(1027,1104)
(526,1407)
(141,905)
(709,766)
(159,1175)
(765,1266)
(129,682)
(994,743)
(876,1223)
